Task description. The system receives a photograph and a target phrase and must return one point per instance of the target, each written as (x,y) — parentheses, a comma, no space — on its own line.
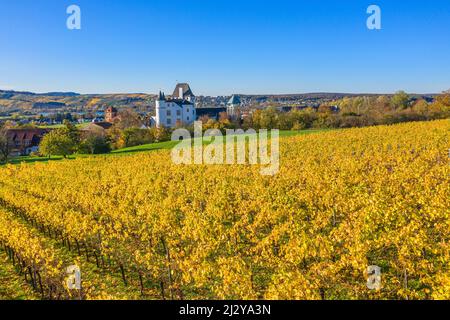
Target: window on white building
(169,122)
(178,113)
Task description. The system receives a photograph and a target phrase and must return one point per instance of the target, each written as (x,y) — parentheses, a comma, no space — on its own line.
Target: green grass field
(58,126)
(142,148)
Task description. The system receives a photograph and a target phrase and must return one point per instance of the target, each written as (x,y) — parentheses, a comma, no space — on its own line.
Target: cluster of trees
(69,140)
(134,136)
(127,131)
(353,112)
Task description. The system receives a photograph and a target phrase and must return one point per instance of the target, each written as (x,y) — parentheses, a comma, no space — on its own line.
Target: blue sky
(225,46)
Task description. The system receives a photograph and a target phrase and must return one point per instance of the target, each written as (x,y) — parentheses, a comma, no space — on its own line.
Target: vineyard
(140,227)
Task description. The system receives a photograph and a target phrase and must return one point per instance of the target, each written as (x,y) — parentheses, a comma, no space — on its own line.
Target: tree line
(353,112)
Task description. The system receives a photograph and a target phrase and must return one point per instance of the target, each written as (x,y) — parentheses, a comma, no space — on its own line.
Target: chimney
(180,93)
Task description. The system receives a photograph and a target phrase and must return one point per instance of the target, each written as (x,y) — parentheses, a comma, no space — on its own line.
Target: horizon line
(225,95)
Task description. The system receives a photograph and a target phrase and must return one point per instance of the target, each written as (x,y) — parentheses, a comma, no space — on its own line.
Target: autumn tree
(204,119)
(421,107)
(285,121)
(134,136)
(224,121)
(443,101)
(325,109)
(5,147)
(57,142)
(71,131)
(160,134)
(128,118)
(269,118)
(400,100)
(382,103)
(94,144)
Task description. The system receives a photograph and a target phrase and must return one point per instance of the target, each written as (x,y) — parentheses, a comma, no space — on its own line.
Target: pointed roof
(161,97)
(234,100)
(24,134)
(187,92)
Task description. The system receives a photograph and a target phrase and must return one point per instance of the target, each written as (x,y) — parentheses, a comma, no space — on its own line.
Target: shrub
(94,144)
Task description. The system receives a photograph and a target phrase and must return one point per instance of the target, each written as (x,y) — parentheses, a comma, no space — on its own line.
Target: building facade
(234,107)
(177,110)
(23,142)
(111,114)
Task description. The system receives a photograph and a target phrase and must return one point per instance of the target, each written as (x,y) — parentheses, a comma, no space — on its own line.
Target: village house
(23,142)
(96,128)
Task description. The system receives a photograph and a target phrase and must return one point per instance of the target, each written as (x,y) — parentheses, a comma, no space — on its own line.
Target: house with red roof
(25,141)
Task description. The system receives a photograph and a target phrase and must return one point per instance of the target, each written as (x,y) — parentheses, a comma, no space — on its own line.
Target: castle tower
(110,114)
(160,109)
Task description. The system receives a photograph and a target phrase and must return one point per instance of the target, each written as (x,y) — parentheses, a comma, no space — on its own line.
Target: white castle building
(177,110)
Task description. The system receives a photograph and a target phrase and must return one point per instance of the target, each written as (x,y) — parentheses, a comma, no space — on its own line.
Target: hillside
(11,101)
(15,101)
(141,227)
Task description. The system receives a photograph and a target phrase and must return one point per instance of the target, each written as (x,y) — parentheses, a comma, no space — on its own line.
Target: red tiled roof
(20,135)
